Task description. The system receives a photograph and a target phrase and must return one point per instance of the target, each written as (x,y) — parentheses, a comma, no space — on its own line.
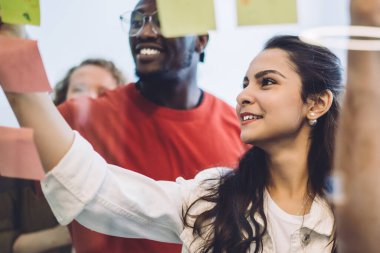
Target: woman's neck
(288,176)
(288,172)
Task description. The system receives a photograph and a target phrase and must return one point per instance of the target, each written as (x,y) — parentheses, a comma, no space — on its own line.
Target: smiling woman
(274,200)
(280,182)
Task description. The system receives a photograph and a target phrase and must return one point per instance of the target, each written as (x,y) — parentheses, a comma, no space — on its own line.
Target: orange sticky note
(21,66)
(18,154)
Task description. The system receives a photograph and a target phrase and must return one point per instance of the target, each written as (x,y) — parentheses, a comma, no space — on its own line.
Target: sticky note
(260,12)
(21,66)
(18,154)
(20,11)
(186,17)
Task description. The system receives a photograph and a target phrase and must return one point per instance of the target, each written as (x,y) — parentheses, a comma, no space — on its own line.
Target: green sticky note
(260,12)
(20,11)
(186,17)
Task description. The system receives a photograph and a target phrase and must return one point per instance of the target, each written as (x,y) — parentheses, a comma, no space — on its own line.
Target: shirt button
(306,239)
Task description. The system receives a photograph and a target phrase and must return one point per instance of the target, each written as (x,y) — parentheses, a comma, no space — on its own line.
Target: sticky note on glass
(21,66)
(20,11)
(260,12)
(186,17)
(18,154)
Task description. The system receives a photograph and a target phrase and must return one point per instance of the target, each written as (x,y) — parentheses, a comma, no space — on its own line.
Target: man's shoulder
(216,99)
(218,104)
(84,109)
(106,99)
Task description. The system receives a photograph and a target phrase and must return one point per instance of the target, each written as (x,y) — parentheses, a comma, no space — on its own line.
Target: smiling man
(165,66)
(178,128)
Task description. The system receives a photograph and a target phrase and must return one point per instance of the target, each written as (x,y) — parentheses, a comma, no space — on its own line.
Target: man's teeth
(149,51)
(250,117)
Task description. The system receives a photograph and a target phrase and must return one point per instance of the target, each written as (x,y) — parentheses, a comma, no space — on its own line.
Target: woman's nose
(244,98)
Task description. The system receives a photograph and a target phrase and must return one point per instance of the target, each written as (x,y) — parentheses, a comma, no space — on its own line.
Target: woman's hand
(365,12)
(12,30)
(52,135)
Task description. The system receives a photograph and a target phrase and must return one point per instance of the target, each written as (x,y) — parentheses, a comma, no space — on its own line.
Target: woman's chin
(248,140)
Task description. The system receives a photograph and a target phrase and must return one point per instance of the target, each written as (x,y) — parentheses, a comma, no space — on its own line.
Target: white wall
(73,30)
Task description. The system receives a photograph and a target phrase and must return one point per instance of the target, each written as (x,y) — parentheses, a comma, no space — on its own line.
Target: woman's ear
(318,105)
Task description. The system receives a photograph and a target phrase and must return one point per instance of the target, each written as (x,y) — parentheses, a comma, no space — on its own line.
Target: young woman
(90,78)
(273,202)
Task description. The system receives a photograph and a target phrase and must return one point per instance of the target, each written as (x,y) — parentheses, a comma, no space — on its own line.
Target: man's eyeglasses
(134,21)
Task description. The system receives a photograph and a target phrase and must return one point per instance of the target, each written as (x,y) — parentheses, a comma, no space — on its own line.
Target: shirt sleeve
(115,201)
(7,239)
(8,230)
(8,215)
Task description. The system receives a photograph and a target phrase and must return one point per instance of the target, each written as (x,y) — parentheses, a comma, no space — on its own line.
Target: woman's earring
(312,122)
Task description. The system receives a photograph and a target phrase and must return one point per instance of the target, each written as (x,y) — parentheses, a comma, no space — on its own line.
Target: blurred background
(73,30)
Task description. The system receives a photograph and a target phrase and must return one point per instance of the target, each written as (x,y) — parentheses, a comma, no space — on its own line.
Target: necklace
(305,202)
(305,237)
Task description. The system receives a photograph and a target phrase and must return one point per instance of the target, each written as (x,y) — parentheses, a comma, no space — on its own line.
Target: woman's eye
(267,81)
(245,82)
(78,89)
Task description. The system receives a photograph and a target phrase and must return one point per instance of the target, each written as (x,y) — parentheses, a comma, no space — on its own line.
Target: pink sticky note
(18,154)
(21,66)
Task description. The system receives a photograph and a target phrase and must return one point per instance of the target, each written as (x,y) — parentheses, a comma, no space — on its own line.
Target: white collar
(321,218)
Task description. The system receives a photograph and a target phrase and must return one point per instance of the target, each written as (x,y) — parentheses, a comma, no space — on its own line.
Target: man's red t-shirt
(130,131)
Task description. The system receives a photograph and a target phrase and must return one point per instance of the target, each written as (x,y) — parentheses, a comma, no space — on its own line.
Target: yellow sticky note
(260,12)
(20,11)
(186,17)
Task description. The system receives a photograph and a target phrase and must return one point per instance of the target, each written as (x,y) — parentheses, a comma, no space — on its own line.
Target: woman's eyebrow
(263,73)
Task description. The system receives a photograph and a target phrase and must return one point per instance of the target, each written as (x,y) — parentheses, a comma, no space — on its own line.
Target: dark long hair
(60,89)
(239,194)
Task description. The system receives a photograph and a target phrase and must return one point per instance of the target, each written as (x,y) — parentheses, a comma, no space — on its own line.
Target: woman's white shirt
(283,225)
(119,202)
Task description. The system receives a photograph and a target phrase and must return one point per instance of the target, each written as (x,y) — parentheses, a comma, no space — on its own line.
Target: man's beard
(155,75)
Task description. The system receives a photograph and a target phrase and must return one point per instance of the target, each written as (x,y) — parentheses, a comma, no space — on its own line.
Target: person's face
(91,81)
(154,53)
(270,107)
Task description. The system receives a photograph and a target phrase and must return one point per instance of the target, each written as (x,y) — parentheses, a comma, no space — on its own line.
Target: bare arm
(358,143)
(38,112)
(43,240)
(53,136)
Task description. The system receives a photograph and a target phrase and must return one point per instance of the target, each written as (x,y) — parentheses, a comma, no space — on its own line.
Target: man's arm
(358,143)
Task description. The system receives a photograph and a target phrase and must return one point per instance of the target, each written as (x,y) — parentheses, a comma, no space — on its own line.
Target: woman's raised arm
(52,134)
(358,143)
